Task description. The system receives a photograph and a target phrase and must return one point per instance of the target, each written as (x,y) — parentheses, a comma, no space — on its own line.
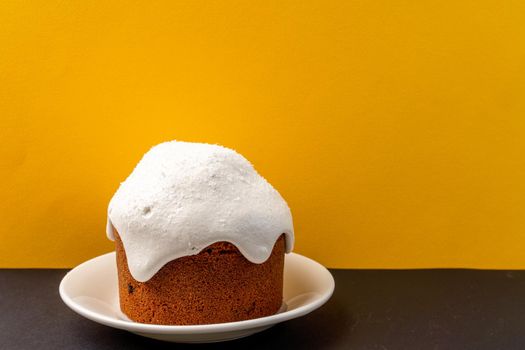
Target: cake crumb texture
(217,285)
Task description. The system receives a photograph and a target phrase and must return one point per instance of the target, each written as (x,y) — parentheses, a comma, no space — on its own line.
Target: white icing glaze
(182,197)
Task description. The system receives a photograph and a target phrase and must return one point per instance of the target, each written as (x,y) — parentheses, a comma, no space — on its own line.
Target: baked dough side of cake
(217,285)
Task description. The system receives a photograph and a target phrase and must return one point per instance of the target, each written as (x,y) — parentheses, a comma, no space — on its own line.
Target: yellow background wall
(395,129)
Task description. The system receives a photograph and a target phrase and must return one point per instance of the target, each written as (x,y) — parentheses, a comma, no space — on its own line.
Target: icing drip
(182,197)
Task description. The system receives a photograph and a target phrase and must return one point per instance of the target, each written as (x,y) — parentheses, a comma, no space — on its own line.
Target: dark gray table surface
(370,309)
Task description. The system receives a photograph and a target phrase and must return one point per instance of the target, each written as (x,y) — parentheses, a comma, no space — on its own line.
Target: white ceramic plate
(90,289)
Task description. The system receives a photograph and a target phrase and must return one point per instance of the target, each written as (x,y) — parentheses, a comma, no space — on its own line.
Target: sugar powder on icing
(182,197)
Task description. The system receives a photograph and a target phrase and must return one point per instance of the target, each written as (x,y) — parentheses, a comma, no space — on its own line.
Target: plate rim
(194,329)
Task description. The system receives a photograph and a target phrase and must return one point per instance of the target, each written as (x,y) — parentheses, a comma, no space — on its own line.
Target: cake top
(181,197)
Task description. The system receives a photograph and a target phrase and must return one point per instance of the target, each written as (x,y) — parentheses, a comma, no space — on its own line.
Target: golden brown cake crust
(217,285)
